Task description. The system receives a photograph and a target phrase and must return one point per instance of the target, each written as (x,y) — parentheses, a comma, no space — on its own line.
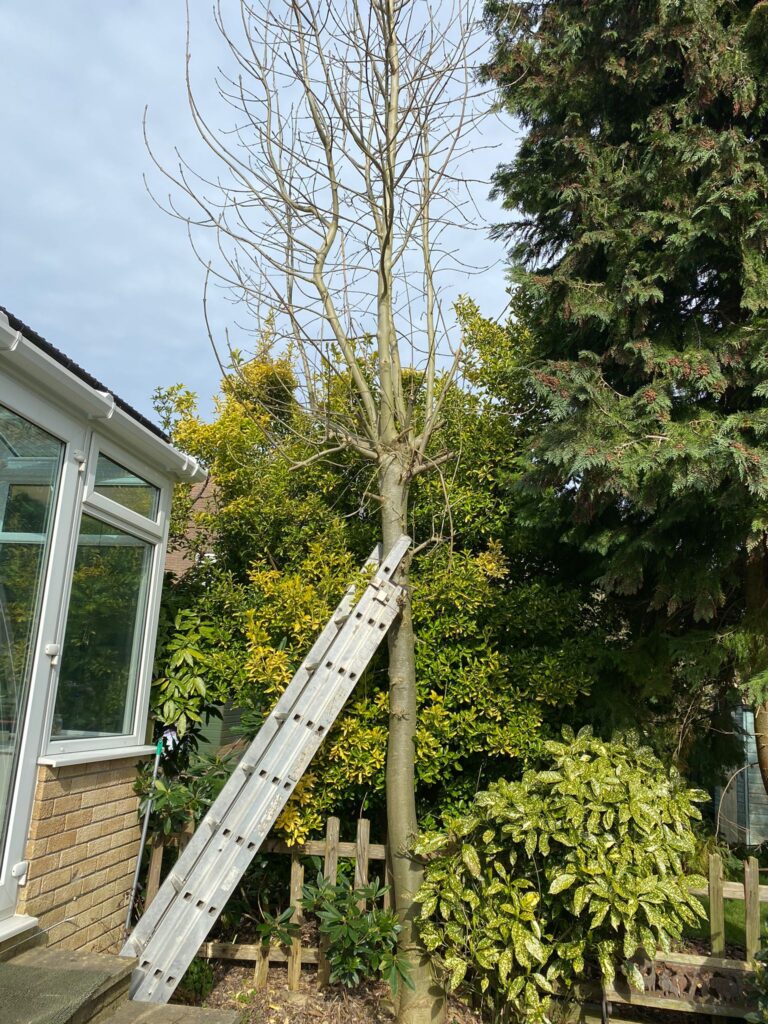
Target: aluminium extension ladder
(193,895)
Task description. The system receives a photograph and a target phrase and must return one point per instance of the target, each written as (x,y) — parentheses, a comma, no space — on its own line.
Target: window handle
(53,651)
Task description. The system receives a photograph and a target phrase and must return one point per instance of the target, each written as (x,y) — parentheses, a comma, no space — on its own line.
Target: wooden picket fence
(362,852)
(711,984)
(749,891)
(683,970)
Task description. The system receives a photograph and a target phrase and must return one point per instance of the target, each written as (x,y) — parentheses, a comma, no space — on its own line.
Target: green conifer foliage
(640,244)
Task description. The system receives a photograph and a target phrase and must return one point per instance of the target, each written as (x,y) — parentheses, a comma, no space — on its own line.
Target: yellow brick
(117,809)
(69,856)
(96,796)
(60,841)
(56,879)
(86,899)
(94,932)
(64,804)
(99,896)
(41,866)
(29,893)
(53,788)
(77,819)
(43,808)
(93,915)
(106,860)
(100,845)
(56,914)
(36,848)
(88,832)
(115,872)
(45,827)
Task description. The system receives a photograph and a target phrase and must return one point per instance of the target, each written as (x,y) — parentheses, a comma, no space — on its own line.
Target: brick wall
(82,846)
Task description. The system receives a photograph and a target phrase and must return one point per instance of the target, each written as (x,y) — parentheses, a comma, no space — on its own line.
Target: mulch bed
(702,947)
(368,1004)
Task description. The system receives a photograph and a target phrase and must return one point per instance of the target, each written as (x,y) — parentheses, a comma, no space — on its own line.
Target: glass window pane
(123,486)
(103,640)
(30,461)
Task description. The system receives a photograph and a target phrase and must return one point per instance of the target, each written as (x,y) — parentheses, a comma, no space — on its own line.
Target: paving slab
(52,986)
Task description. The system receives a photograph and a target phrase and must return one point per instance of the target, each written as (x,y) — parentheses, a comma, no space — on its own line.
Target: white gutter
(59,384)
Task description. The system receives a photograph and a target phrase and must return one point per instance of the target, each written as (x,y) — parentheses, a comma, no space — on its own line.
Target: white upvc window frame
(73,434)
(42,388)
(61,750)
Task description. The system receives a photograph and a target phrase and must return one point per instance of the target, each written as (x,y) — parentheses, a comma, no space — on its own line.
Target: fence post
(362,843)
(751,907)
(261,969)
(330,872)
(716,912)
(185,835)
(155,869)
(294,955)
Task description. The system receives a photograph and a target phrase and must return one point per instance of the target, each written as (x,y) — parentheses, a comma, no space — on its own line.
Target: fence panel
(331,849)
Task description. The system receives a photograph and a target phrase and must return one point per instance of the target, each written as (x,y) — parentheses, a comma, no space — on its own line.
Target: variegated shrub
(563,875)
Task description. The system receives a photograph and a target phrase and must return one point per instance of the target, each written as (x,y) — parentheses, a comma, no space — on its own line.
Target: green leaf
(457,969)
(561,883)
(471,860)
(634,977)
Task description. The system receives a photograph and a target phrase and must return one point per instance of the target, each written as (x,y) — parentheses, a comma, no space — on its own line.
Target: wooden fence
(749,891)
(362,852)
(710,984)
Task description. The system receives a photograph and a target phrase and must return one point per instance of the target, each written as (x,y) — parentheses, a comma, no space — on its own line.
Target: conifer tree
(640,247)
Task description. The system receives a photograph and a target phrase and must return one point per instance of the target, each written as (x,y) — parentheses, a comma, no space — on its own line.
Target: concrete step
(53,986)
(158,1013)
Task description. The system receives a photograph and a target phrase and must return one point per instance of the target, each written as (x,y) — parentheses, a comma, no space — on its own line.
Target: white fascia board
(57,382)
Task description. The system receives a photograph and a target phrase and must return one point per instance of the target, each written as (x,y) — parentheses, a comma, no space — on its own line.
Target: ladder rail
(235,784)
(215,883)
(192,897)
(209,890)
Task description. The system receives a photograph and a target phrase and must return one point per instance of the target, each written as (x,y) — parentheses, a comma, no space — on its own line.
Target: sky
(86,258)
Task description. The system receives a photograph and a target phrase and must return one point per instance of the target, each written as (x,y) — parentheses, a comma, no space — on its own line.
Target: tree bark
(757,616)
(425,1004)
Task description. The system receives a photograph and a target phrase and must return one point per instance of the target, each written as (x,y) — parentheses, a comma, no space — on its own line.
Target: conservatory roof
(45,346)
(60,376)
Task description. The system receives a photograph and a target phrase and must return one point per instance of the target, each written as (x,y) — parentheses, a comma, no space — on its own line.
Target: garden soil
(368,1004)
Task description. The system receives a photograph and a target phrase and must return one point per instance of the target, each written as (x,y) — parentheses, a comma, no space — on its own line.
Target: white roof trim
(40,370)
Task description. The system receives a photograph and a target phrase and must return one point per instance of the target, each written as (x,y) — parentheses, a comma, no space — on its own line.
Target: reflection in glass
(102,642)
(30,460)
(123,486)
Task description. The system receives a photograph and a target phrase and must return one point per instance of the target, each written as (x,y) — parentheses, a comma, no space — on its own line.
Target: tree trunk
(426,1003)
(757,616)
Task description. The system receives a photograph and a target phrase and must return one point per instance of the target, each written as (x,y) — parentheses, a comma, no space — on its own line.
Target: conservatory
(85,490)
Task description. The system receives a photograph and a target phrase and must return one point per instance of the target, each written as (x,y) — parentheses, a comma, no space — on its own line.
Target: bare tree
(334,214)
